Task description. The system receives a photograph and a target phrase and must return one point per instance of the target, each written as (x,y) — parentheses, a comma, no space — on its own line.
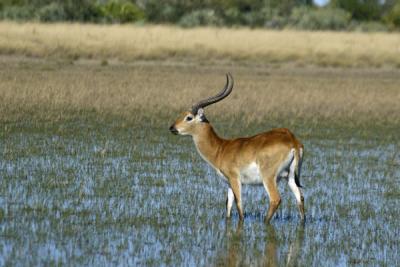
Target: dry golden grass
(161,89)
(129,42)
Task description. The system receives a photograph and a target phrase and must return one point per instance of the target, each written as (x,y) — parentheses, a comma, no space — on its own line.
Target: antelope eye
(189,118)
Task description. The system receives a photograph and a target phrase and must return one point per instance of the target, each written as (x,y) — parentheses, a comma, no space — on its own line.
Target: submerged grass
(90,174)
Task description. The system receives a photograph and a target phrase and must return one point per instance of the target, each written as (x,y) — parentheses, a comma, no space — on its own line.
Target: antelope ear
(202,116)
(200,112)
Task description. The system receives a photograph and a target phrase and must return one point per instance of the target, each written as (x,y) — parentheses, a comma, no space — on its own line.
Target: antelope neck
(208,144)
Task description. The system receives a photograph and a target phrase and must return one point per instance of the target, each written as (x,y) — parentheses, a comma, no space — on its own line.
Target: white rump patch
(283,170)
(295,189)
(292,183)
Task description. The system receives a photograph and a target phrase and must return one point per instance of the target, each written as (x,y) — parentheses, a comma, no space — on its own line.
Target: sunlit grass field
(90,174)
(127,43)
(159,89)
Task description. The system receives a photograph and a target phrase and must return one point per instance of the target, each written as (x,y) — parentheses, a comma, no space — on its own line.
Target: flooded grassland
(90,175)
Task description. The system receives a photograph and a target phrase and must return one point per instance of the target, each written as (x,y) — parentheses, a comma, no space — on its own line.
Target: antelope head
(191,122)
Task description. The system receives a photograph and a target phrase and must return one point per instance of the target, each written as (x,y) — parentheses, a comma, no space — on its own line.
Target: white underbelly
(251,174)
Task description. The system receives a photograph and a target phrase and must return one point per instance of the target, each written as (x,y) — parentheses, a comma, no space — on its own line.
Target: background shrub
(362,15)
(369,26)
(249,16)
(52,12)
(319,19)
(203,17)
(274,20)
(18,13)
(361,10)
(81,10)
(121,11)
(393,16)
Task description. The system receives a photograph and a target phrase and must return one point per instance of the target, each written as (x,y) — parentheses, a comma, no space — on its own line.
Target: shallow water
(85,193)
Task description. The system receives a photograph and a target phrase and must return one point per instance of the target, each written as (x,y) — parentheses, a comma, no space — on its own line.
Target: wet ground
(89,192)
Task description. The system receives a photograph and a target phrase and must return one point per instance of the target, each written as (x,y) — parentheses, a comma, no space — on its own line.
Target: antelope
(262,159)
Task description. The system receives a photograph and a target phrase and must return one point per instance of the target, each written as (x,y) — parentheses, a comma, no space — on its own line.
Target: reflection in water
(271,244)
(238,254)
(295,247)
(234,241)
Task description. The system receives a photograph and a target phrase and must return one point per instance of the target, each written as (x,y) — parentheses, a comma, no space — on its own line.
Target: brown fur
(268,150)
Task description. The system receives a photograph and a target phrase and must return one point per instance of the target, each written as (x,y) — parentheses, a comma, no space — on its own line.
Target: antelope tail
(299,158)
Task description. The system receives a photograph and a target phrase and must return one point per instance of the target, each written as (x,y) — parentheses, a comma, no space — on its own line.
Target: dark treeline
(364,15)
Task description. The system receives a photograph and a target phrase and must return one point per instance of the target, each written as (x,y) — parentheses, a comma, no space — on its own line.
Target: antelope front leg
(236,187)
(229,202)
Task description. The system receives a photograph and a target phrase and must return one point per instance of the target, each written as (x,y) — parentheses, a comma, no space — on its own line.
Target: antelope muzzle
(173,130)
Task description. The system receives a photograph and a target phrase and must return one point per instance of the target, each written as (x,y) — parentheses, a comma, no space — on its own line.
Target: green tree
(80,10)
(121,11)
(285,7)
(362,10)
(392,18)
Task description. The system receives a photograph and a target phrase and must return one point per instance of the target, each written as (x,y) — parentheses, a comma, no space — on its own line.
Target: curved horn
(221,95)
